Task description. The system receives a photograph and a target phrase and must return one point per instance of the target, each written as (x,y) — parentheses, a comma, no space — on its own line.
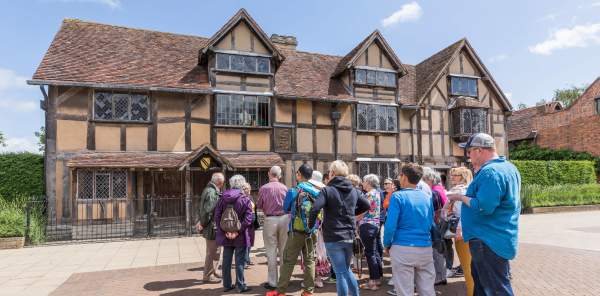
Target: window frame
(376,71)
(597,105)
(217,123)
(130,96)
(450,83)
(243,55)
(377,119)
(111,187)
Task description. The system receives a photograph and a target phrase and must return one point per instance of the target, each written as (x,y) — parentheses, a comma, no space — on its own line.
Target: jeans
(340,254)
(490,271)
(240,262)
(369,234)
(247,256)
(449,254)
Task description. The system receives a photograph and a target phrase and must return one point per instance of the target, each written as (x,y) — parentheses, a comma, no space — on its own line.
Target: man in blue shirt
(407,236)
(490,216)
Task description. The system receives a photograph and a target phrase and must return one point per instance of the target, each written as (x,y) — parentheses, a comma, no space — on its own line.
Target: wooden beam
(67,95)
(91,126)
(188,124)
(123,137)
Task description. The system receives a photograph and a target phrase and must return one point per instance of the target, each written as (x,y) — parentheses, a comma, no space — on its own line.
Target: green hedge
(21,174)
(527,151)
(13,219)
(556,172)
(535,195)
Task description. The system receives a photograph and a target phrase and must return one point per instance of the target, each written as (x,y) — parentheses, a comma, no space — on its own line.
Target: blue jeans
(490,271)
(369,234)
(240,262)
(340,254)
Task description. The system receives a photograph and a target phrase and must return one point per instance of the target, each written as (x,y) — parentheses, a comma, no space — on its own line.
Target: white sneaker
(449,273)
(391,292)
(390,282)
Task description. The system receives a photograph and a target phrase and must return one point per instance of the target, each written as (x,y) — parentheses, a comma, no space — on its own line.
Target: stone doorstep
(561,209)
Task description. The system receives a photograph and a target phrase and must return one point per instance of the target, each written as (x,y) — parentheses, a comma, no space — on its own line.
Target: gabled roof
(519,126)
(433,68)
(350,59)
(242,16)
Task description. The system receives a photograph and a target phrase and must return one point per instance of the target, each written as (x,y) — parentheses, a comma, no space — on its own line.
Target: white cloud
(20,145)
(110,3)
(408,12)
(578,36)
(18,105)
(498,58)
(596,4)
(10,80)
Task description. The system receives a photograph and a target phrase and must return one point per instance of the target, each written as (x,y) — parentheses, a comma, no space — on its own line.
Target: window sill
(465,96)
(374,85)
(121,121)
(375,133)
(242,127)
(241,72)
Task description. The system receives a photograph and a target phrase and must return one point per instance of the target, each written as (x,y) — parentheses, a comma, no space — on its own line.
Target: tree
(521,106)
(2,140)
(568,95)
(41,135)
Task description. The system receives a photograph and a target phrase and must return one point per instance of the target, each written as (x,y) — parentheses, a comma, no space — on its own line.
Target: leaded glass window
(463,86)
(239,110)
(598,106)
(467,121)
(374,77)
(101,184)
(243,63)
(121,107)
(376,118)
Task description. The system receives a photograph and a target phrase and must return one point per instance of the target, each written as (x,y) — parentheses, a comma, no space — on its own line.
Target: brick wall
(576,128)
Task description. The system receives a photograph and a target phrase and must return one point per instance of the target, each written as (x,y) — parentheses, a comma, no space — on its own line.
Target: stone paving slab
(538,271)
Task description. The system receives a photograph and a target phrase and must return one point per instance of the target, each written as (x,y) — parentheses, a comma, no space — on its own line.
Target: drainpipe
(335,117)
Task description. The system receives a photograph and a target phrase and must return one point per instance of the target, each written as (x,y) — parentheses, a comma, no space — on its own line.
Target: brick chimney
(288,42)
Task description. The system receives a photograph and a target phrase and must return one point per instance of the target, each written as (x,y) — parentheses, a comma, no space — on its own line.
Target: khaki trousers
(413,266)
(275,233)
(464,256)
(212,255)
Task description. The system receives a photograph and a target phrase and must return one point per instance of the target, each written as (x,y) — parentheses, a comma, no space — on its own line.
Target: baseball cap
(479,140)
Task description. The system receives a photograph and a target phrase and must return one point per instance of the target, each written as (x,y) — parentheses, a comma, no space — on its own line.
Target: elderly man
(270,201)
(490,216)
(206,224)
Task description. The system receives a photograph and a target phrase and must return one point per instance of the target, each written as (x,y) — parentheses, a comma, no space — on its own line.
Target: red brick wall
(576,128)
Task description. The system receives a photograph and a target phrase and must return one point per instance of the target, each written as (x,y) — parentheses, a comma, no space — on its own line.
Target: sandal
(367,286)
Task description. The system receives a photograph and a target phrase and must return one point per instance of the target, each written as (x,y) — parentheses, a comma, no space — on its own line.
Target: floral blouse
(374,213)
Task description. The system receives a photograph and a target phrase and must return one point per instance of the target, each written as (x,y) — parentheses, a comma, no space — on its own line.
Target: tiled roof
(152,160)
(87,52)
(308,75)
(429,69)
(170,160)
(106,55)
(520,124)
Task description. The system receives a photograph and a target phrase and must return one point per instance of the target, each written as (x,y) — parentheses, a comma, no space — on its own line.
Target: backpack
(303,204)
(438,204)
(230,221)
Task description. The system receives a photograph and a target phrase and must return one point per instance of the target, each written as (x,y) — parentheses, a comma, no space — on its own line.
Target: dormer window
(243,63)
(375,77)
(463,86)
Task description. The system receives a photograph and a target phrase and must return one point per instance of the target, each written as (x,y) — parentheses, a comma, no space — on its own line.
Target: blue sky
(530,47)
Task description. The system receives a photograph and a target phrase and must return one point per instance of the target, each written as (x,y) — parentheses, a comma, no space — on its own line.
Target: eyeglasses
(387,183)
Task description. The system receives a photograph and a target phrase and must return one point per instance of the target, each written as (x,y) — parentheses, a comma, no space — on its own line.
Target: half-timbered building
(133,113)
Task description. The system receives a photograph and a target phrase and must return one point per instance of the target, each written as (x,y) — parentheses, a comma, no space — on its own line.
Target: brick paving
(538,270)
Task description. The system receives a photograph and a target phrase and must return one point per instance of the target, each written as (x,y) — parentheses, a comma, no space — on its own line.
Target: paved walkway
(559,255)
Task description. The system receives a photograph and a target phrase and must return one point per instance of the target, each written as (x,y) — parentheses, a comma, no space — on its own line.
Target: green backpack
(303,205)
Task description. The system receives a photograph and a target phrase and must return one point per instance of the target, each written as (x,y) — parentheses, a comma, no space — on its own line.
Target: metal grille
(119,185)
(241,110)
(256,178)
(103,106)
(121,105)
(361,111)
(381,169)
(381,118)
(85,184)
(392,124)
(139,108)
(102,185)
